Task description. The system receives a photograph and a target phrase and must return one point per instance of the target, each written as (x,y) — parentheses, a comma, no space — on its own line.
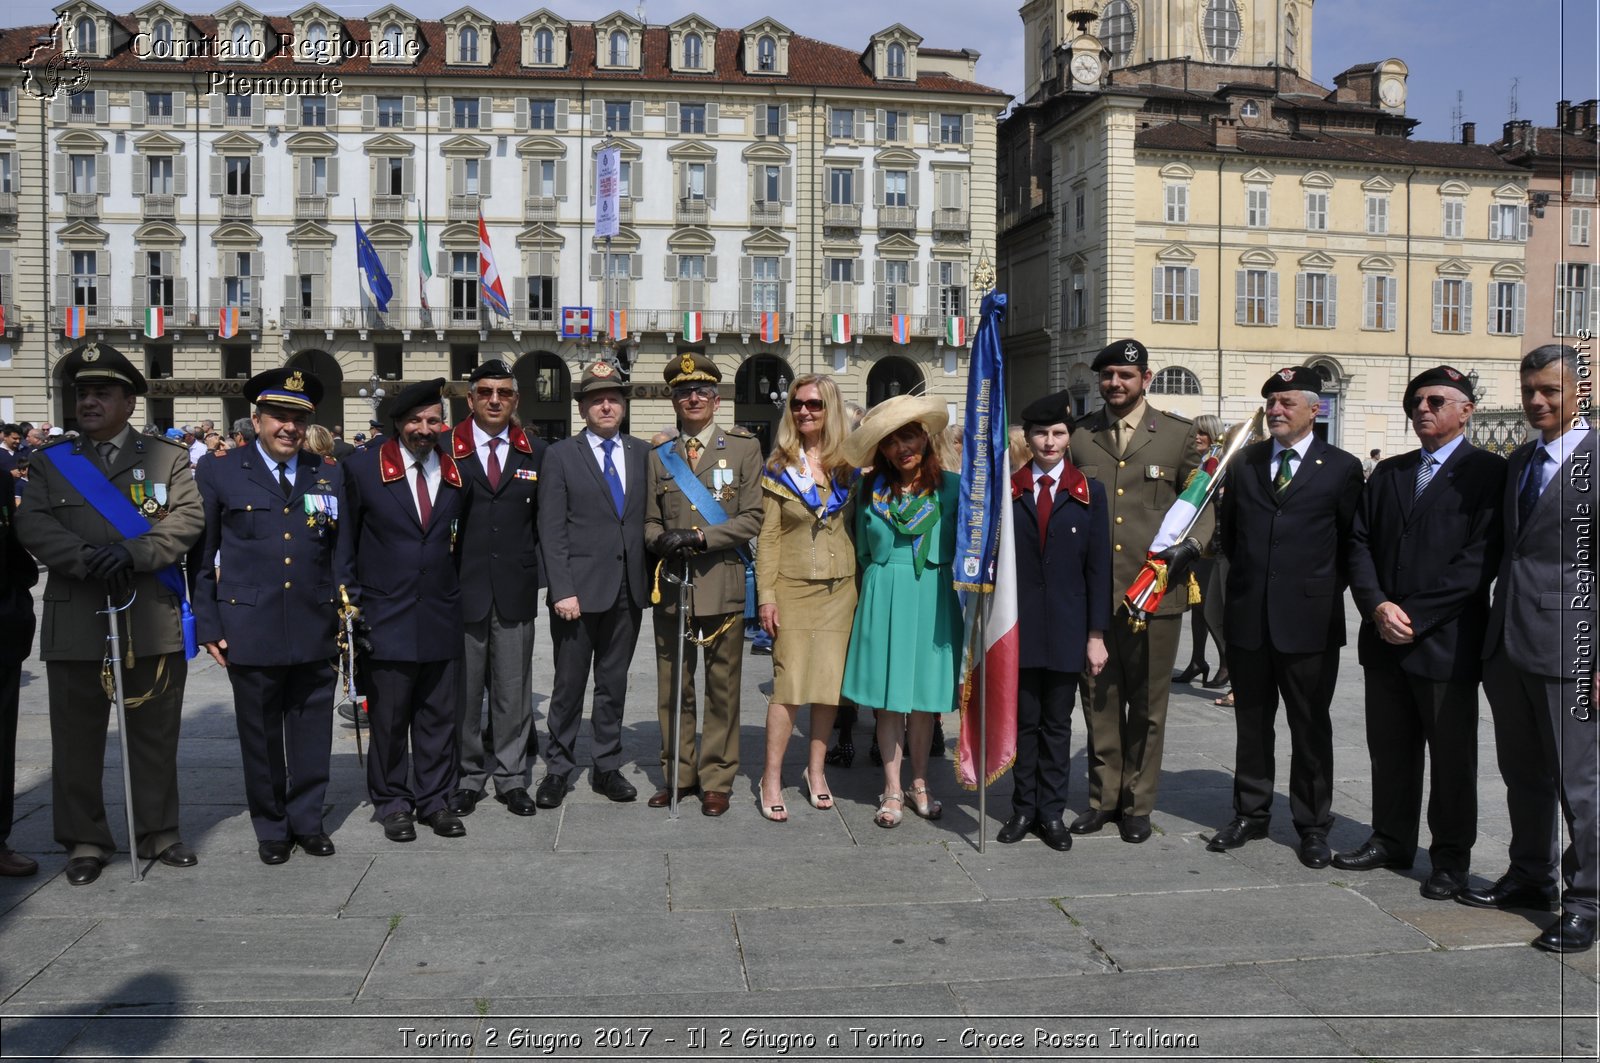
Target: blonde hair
(1021,453)
(786,451)
(948,445)
(319,440)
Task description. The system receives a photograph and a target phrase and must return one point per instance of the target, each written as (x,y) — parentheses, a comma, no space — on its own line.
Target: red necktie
(424,505)
(1044,508)
(494,465)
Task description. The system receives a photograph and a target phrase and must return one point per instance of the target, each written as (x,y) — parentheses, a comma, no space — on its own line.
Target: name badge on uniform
(138,474)
(1152,472)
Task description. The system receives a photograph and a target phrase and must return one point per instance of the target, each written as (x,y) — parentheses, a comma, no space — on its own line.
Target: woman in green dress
(905,644)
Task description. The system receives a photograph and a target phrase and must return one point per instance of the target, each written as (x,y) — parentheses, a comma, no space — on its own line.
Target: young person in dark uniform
(1062,531)
(269,613)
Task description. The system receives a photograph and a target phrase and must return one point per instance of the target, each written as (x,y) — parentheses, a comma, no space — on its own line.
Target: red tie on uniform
(1044,508)
(424,505)
(494,465)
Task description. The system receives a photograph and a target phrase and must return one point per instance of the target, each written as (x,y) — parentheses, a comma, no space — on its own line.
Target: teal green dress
(905,647)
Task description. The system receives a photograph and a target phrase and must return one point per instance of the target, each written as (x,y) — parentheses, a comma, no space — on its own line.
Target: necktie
(1124,436)
(283,479)
(424,504)
(108,451)
(691,450)
(1424,475)
(1528,497)
(494,464)
(1280,483)
(613,481)
(1044,505)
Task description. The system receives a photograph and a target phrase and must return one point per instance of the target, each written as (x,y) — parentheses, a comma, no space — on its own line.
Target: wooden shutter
(787,180)
(1241,288)
(636,266)
(136,107)
(180,175)
(1519,306)
(214,291)
(216,108)
(761,120)
(1438,306)
(520,119)
(369,111)
(216,175)
(258,174)
(484,168)
(408,112)
(1390,287)
(1333,301)
(141,282)
(1466,306)
(102,106)
(291,110)
(58,110)
(1372,285)
(1522,222)
(1272,298)
(746,288)
(458,177)
(597,116)
(258,111)
(596,265)
(879,121)
(672,117)
(561,178)
(913,188)
(562,117)
(141,175)
(711,269)
(58,173)
(711,185)
(877,189)
(333,175)
(712,112)
(180,107)
(408,177)
(64,277)
(856,187)
(966,130)
(486,112)
(1300,299)
(447,112)
(669,267)
(636,116)
(860,130)
(1494,221)
(102,174)
(1192,304)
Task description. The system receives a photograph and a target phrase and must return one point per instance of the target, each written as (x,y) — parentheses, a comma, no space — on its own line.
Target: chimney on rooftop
(1469,132)
(1563,108)
(1225,133)
(1586,115)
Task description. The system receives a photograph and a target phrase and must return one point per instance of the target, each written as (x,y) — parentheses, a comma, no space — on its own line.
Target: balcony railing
(160,206)
(314,208)
(951,220)
(897,217)
(388,208)
(83,205)
(464,208)
(238,207)
(842,216)
(766,212)
(692,210)
(12,321)
(541,208)
(923,325)
(8,204)
(546,319)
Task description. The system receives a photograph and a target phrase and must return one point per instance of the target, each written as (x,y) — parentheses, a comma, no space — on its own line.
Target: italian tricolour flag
(155,322)
(955,331)
(693,327)
(839,328)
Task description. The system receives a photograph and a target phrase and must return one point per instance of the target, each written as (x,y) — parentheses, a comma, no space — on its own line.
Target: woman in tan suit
(805,581)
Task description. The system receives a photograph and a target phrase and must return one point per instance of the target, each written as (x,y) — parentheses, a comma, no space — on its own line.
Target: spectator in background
(19,478)
(319,441)
(1207,431)
(1373,457)
(243,432)
(10,442)
(196,438)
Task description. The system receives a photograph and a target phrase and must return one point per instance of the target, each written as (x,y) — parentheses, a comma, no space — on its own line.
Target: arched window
(766,54)
(619,48)
(693,52)
(1291,40)
(161,39)
(1221,29)
(1175,380)
(393,41)
(894,58)
(316,39)
(241,40)
(544,46)
(86,36)
(467,44)
(1117,30)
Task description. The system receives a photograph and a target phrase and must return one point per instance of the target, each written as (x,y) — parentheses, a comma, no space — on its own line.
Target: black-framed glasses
(1433,402)
(813,405)
(704,391)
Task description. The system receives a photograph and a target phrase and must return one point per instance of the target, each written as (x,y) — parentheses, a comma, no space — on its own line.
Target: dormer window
(86,37)
(1250,109)
(894,60)
(393,41)
(693,52)
(544,47)
(316,39)
(619,48)
(241,39)
(467,45)
(161,38)
(766,54)
(1221,26)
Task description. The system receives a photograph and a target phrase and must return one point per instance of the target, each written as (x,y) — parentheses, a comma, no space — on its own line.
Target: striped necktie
(1424,475)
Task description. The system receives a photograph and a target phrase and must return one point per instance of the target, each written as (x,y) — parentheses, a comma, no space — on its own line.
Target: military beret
(1122,352)
(1294,378)
(600,376)
(691,367)
(1052,409)
(284,387)
(423,393)
(96,361)
(493,369)
(1438,376)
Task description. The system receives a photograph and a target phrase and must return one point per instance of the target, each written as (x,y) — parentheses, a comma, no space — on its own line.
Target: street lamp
(373,393)
(780,396)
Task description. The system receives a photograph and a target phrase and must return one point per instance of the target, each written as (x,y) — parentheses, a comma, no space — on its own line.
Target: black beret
(493,369)
(97,361)
(424,393)
(1295,378)
(1438,376)
(284,386)
(1052,409)
(1122,352)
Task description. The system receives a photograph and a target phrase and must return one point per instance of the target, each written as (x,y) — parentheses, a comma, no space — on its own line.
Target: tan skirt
(814,620)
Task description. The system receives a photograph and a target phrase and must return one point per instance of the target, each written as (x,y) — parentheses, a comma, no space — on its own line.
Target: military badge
(294,381)
(1152,472)
(138,474)
(1130,354)
(686,363)
(92,354)
(1286,374)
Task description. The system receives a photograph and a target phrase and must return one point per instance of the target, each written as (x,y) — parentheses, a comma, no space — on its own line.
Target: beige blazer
(796,544)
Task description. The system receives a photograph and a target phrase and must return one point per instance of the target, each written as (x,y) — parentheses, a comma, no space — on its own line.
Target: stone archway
(330,411)
(544,389)
(893,375)
(759,379)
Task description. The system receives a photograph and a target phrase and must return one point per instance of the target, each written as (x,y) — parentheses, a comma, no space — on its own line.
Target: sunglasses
(1433,402)
(813,405)
(495,393)
(704,391)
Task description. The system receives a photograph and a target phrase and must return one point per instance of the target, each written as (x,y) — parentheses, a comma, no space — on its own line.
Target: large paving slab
(491,884)
(727,879)
(1102,864)
(28,946)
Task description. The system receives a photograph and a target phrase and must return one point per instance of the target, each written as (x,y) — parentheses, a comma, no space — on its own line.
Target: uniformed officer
(95,546)
(1143,456)
(704,503)
(18,574)
(267,608)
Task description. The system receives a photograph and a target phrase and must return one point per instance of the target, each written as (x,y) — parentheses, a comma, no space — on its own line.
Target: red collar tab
(519,440)
(1068,478)
(448,470)
(390,467)
(461,439)
(1022,481)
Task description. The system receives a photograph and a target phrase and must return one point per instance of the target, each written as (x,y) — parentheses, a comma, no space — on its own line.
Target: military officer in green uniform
(74,536)
(703,502)
(1143,456)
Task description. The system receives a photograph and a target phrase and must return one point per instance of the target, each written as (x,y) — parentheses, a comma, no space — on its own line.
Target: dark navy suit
(265,578)
(18,574)
(410,598)
(1063,593)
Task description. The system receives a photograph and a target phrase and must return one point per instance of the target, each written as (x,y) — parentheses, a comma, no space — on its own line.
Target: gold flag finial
(983,276)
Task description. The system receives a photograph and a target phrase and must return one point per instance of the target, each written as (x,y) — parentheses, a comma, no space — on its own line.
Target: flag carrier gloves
(111,679)
(348,615)
(1144,595)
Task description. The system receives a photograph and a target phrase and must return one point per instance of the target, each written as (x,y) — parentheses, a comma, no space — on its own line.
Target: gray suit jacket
(586,547)
(1544,599)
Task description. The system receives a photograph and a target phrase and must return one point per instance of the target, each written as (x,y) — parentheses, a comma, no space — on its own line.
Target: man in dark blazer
(1540,652)
(498,556)
(18,573)
(406,504)
(1286,521)
(1424,548)
(267,608)
(591,531)
(1063,556)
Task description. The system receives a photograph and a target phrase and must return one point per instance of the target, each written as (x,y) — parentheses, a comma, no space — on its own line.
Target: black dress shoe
(552,791)
(178,855)
(1444,884)
(462,802)
(1570,933)
(1134,829)
(398,827)
(1369,857)
(274,852)
(315,844)
(82,870)
(518,801)
(612,786)
(1508,893)
(446,825)
(1055,834)
(1015,830)
(1314,851)
(1093,820)
(1236,833)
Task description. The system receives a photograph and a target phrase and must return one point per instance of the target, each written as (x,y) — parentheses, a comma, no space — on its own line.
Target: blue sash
(120,512)
(698,494)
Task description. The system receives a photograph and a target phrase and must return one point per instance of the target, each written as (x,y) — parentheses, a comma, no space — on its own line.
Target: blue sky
(1548,46)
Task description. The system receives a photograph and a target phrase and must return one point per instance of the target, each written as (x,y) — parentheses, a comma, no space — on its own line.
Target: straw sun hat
(887,418)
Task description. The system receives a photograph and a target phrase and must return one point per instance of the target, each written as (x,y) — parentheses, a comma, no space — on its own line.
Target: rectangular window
(159,168)
(774,121)
(952,290)
(1080,211)
(625,179)
(236,283)
(1455,215)
(317,167)
(391,176)
(691,118)
(158,283)
(470,171)
(85,282)
(8,179)
(1317,211)
(541,298)
(1452,305)
(1378,302)
(765,287)
(619,117)
(1579,229)
(1314,300)
(463,286)
(841,185)
(545,177)
(770,184)
(158,107)
(313,110)
(1176,295)
(1507,306)
(541,115)
(1177,203)
(1377,215)
(83,175)
(950,129)
(1572,298)
(466,112)
(841,122)
(1583,182)
(896,294)
(1257,297)
(691,282)
(240,107)
(81,104)
(894,188)
(236,175)
(1076,303)
(896,126)
(1258,207)
(391,112)
(1508,221)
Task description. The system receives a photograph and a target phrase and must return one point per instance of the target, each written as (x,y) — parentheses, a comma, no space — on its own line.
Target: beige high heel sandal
(922,806)
(889,817)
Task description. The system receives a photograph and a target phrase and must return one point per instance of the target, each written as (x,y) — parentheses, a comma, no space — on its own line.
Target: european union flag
(377,280)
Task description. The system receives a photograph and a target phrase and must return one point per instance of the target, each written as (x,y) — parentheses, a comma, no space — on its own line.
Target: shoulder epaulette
(1180,418)
(741,432)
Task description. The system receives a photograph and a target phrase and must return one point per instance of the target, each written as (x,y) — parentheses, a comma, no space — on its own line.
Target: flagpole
(983,728)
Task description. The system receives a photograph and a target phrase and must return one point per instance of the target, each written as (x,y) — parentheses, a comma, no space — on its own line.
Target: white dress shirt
(597,448)
(1298,448)
(1558,451)
(1055,481)
(480,439)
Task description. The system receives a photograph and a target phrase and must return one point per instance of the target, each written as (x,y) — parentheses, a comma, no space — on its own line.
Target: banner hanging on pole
(608,192)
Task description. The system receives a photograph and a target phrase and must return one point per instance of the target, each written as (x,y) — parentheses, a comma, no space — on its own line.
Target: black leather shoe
(1444,884)
(347,711)
(1508,893)
(612,786)
(462,802)
(518,801)
(315,844)
(446,825)
(552,791)
(398,827)
(178,855)
(1570,933)
(1135,829)
(1236,833)
(1093,820)
(1015,830)
(1369,857)
(1055,834)
(274,852)
(83,870)
(1314,851)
